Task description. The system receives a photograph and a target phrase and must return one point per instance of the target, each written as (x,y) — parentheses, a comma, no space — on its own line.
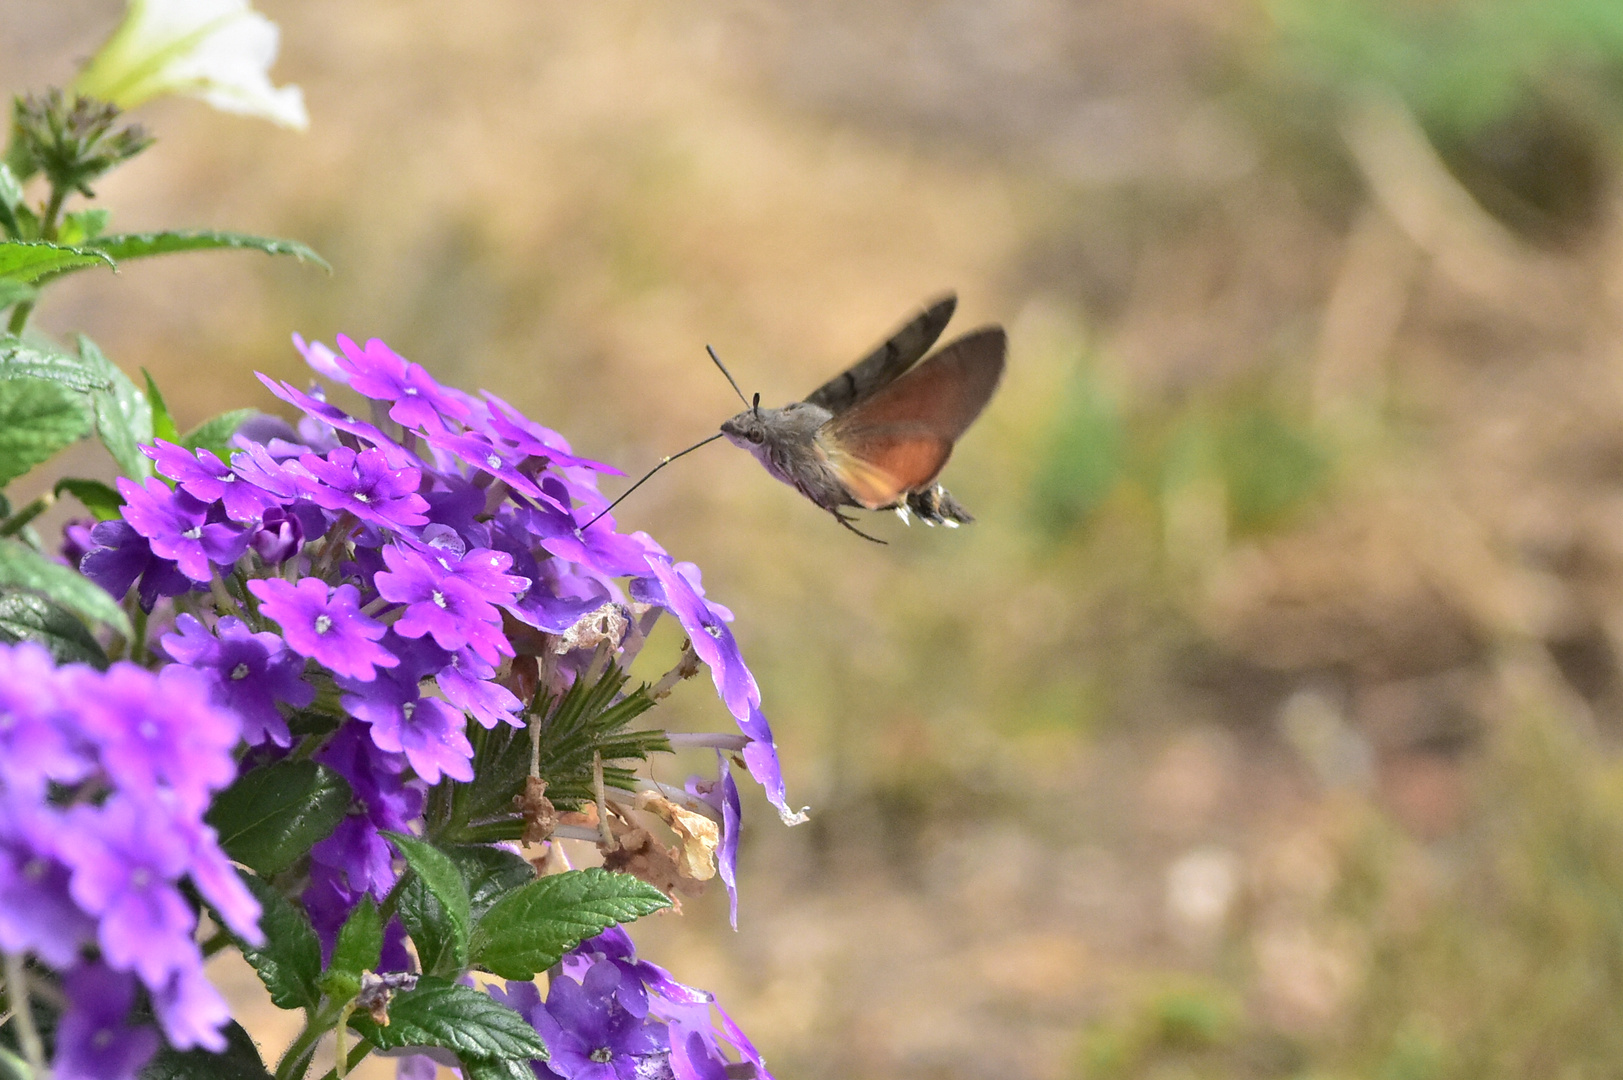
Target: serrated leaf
(163,425)
(472,1025)
(530,929)
(508,1069)
(289,963)
(30,260)
(439,929)
(26,616)
(491,873)
(123,416)
(273,814)
(27,360)
(141,245)
(93,495)
(23,568)
(360,940)
(214,434)
(13,291)
(239,1061)
(37,418)
(82,225)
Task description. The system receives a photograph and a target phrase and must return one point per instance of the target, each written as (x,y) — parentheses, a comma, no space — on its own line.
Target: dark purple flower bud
(328,627)
(366,485)
(279,537)
(378,372)
(179,527)
(246,672)
(121,556)
(94,1040)
(208,479)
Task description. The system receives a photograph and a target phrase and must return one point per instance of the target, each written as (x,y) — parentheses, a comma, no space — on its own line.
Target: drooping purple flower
(208,479)
(247,672)
(378,372)
(722,794)
(592,1036)
(156,731)
(355,851)
(121,556)
(94,1039)
(180,527)
(124,872)
(368,486)
(453,599)
(489,457)
(38,742)
(76,540)
(191,1011)
(328,627)
(706,628)
(427,730)
(37,912)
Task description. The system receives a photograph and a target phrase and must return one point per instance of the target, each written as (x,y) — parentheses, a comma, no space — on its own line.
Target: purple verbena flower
(368,486)
(325,416)
(328,627)
(280,536)
(247,672)
(94,1039)
(208,479)
(427,730)
(181,528)
(466,682)
(378,372)
(37,912)
(451,598)
(122,556)
(592,1036)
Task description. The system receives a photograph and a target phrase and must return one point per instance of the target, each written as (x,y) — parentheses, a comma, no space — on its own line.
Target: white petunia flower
(217,50)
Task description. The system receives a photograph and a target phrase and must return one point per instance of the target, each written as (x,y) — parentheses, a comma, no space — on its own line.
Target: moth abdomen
(936,506)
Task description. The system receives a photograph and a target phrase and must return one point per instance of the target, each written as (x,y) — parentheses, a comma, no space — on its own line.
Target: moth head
(746,429)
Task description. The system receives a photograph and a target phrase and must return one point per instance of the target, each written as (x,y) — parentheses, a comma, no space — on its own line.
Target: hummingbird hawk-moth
(876,436)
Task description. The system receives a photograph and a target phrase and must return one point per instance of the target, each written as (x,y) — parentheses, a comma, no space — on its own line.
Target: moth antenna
(730,379)
(649,474)
(755,406)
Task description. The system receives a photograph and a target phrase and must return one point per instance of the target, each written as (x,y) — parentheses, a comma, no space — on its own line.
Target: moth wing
(898,438)
(896,355)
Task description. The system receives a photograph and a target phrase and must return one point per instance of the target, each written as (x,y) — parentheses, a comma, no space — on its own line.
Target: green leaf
(507,1069)
(214,434)
(360,940)
(82,225)
(11,197)
(94,495)
(530,929)
(163,425)
(274,814)
(37,418)
(13,1067)
(26,360)
(30,260)
(436,915)
(491,873)
(141,245)
(24,568)
(289,963)
(25,616)
(471,1024)
(240,1061)
(13,291)
(123,415)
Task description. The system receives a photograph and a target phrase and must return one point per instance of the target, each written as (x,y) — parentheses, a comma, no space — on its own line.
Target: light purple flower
(247,672)
(191,1010)
(328,627)
(181,528)
(359,857)
(94,1039)
(466,683)
(427,730)
(326,416)
(453,599)
(38,741)
(592,1036)
(368,486)
(378,372)
(707,629)
(533,440)
(208,479)
(37,912)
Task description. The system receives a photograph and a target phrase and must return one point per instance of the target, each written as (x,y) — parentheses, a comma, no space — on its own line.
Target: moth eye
(755,435)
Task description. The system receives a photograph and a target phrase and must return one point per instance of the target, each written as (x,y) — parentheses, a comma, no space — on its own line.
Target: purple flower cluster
(610,1016)
(394,570)
(104,778)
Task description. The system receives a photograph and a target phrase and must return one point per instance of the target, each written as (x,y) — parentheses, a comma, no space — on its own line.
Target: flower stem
(28,1040)
(14,524)
(356,1054)
(297,1057)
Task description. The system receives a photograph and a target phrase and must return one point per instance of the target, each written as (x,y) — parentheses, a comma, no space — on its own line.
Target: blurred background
(1267,722)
